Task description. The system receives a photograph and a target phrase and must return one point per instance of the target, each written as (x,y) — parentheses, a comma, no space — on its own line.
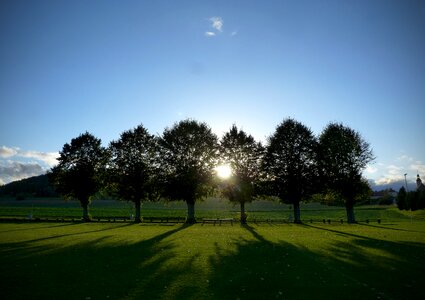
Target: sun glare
(223,171)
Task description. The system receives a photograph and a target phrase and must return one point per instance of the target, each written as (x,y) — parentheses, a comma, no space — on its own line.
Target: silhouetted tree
(290,163)
(343,154)
(78,173)
(189,155)
(401,198)
(243,154)
(412,200)
(133,167)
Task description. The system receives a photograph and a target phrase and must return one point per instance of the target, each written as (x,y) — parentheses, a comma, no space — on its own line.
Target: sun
(223,171)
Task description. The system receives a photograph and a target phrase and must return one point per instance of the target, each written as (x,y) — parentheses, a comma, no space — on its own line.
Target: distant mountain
(395,185)
(37,186)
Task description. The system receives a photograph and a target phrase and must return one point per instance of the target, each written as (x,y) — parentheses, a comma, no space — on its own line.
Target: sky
(67,67)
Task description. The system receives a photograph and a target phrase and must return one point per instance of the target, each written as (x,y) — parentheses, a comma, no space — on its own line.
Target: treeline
(181,164)
(412,200)
(37,186)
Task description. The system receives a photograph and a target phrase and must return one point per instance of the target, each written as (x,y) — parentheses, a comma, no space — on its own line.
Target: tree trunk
(350,213)
(137,205)
(190,212)
(297,213)
(85,206)
(243,214)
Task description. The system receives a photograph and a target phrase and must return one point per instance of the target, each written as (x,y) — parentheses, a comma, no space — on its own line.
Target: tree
(290,163)
(244,155)
(189,155)
(401,198)
(78,173)
(343,154)
(133,167)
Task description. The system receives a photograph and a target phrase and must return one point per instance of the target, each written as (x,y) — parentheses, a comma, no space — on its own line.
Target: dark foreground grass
(126,261)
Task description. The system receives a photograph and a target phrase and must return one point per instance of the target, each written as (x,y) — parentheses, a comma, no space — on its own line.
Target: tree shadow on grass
(246,265)
(27,228)
(99,268)
(393,268)
(388,228)
(359,268)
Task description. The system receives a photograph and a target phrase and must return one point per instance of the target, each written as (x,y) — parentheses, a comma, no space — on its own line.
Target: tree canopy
(77,174)
(182,163)
(133,167)
(290,163)
(243,154)
(189,153)
(343,154)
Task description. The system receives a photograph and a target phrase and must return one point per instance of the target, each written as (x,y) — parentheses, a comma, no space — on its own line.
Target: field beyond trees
(143,261)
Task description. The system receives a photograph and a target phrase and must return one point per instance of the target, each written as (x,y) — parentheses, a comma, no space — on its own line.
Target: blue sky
(107,66)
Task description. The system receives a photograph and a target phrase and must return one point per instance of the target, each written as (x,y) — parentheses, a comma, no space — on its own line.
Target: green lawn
(212,208)
(127,261)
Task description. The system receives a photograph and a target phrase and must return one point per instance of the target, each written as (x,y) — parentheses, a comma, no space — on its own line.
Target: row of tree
(181,165)
(412,200)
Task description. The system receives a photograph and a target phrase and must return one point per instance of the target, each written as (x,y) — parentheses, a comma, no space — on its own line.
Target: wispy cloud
(49,158)
(217,23)
(7,152)
(234,33)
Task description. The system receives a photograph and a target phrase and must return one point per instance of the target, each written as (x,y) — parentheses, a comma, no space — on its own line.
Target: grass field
(212,208)
(128,261)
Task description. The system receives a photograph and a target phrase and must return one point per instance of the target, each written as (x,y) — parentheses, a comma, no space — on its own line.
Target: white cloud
(22,164)
(209,33)
(49,158)
(394,170)
(17,170)
(371,170)
(234,33)
(7,152)
(418,167)
(217,23)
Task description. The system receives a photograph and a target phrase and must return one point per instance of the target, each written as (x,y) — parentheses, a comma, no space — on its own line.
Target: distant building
(419,185)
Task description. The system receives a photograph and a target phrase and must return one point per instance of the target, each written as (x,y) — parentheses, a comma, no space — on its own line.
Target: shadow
(254,233)
(27,228)
(77,233)
(104,267)
(195,262)
(357,267)
(383,227)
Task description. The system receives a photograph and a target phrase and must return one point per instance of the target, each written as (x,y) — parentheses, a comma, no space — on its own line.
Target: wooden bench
(219,221)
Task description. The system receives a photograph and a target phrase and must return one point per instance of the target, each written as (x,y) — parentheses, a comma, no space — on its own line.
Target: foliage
(188,157)
(133,167)
(243,154)
(414,200)
(289,163)
(342,156)
(37,186)
(328,197)
(401,198)
(78,173)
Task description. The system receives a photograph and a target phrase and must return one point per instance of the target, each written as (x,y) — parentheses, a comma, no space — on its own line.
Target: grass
(128,261)
(212,208)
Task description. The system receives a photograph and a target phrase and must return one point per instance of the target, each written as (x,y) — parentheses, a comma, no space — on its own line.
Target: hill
(37,186)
